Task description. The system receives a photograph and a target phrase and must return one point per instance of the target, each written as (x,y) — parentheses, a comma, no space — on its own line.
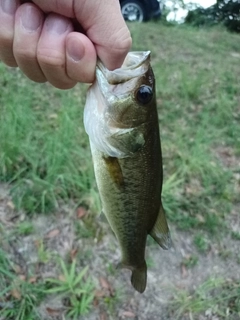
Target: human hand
(40,38)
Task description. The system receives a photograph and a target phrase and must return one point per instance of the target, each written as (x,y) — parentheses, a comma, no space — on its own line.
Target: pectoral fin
(114,170)
(160,232)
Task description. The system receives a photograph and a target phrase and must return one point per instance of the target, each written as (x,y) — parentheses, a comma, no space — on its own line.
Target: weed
(190,261)
(235,235)
(111,301)
(225,254)
(25,228)
(216,297)
(201,243)
(84,231)
(111,268)
(25,297)
(19,296)
(79,305)
(42,252)
(75,287)
(85,255)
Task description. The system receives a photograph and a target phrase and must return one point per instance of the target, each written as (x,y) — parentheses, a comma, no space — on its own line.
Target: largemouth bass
(121,120)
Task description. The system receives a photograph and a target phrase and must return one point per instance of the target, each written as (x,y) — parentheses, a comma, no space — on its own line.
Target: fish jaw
(135,65)
(116,84)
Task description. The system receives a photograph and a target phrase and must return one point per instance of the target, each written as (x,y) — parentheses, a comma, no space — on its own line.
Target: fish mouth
(135,64)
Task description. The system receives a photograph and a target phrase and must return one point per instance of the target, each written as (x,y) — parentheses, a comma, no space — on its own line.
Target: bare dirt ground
(165,273)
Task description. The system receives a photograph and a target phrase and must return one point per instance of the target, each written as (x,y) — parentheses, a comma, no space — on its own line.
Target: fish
(121,120)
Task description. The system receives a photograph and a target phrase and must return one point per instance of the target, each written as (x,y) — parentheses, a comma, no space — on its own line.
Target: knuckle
(50,58)
(63,85)
(123,40)
(24,55)
(5,44)
(9,61)
(6,54)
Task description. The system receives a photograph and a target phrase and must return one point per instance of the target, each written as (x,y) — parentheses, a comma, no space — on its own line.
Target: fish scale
(121,120)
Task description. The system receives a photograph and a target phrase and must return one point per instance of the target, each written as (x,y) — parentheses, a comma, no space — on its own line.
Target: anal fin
(160,231)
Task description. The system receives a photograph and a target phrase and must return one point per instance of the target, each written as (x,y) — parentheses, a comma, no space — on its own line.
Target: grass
(44,147)
(45,159)
(201,242)
(214,298)
(19,296)
(77,290)
(190,261)
(25,228)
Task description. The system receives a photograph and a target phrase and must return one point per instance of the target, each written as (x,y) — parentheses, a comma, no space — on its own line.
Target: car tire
(133,10)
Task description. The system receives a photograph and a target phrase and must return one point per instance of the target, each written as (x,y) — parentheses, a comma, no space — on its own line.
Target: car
(140,10)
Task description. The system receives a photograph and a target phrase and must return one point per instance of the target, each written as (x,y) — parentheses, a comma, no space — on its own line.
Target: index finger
(106,28)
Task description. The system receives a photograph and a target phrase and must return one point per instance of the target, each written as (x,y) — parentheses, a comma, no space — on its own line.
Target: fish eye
(144,94)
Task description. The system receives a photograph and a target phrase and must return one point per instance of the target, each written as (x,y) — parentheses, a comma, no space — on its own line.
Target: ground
(168,272)
(58,255)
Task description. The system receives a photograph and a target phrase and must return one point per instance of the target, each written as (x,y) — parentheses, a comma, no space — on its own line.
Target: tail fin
(160,232)
(139,278)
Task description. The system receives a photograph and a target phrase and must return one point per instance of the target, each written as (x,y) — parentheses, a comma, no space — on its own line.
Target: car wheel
(133,11)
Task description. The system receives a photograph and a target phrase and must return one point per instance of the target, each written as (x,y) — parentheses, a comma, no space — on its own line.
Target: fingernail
(31,18)
(56,25)
(8,6)
(75,49)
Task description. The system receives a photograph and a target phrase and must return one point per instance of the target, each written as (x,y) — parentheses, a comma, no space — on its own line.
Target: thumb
(105,27)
